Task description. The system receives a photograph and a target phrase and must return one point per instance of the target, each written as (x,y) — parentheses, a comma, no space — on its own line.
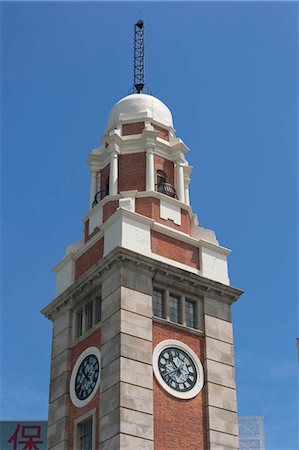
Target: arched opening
(161,177)
(162,185)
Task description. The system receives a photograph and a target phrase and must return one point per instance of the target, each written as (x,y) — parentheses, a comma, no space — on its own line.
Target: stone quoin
(148,288)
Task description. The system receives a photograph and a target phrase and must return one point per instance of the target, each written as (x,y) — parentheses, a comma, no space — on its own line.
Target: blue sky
(229,73)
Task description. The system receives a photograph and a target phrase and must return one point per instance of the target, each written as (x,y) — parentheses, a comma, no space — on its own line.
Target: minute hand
(168,373)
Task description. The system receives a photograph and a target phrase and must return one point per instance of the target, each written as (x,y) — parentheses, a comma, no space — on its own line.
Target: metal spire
(138,56)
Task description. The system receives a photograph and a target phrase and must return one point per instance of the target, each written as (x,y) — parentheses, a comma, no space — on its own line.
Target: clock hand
(168,373)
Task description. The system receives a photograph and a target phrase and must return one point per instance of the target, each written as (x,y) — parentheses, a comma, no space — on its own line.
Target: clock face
(177,369)
(87,377)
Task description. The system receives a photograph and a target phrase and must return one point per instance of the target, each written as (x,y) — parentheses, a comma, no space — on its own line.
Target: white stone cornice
(187,171)
(64,262)
(114,138)
(149,137)
(180,147)
(158,269)
(94,162)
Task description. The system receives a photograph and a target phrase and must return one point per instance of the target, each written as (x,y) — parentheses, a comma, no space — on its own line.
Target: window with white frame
(158,303)
(78,323)
(87,316)
(85,431)
(176,308)
(190,313)
(85,435)
(98,310)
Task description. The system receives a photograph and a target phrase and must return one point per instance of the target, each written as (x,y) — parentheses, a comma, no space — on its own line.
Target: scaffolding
(251,432)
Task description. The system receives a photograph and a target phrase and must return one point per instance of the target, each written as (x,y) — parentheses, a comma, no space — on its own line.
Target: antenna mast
(138,56)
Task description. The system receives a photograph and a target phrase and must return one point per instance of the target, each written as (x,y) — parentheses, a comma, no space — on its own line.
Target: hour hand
(168,373)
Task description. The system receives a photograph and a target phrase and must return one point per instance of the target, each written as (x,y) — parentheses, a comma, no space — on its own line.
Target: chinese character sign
(28,435)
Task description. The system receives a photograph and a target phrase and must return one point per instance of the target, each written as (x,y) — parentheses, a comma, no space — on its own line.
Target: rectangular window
(79,322)
(88,316)
(190,313)
(85,435)
(174,308)
(98,310)
(158,303)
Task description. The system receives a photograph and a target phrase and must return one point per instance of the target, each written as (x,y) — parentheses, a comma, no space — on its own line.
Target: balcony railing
(167,189)
(99,196)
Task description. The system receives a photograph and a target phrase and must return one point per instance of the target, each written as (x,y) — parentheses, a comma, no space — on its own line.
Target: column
(113,178)
(126,402)
(98,182)
(57,436)
(220,384)
(186,183)
(180,180)
(93,186)
(150,170)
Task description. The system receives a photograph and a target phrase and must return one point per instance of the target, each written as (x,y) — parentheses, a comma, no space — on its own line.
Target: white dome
(139,106)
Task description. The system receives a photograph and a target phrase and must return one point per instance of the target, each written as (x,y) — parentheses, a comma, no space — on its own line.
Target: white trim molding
(168,343)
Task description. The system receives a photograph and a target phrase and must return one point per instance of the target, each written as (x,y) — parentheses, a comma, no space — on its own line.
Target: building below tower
(251,430)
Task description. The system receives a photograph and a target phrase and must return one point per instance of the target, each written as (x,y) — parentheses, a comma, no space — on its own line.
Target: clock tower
(142,345)
(142,350)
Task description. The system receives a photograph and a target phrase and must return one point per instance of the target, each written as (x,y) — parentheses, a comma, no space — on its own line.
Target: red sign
(26,437)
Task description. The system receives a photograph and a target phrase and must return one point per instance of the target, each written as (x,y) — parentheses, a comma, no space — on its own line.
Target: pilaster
(221,402)
(126,406)
(59,378)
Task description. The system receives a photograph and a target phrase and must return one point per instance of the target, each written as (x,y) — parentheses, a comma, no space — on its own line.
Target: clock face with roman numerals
(177,369)
(87,376)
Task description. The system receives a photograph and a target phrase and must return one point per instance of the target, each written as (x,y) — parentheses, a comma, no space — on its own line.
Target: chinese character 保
(29,432)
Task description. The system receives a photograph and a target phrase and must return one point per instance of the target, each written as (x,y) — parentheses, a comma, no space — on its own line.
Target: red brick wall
(172,248)
(88,236)
(161,132)
(132,172)
(109,209)
(89,258)
(166,166)
(150,207)
(178,424)
(74,413)
(132,128)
